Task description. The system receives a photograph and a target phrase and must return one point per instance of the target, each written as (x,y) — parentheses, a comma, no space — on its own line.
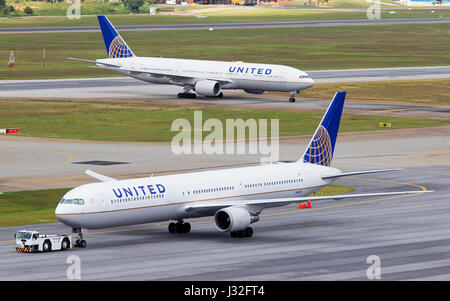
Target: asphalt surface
(331,241)
(232,25)
(129,89)
(21,88)
(35,163)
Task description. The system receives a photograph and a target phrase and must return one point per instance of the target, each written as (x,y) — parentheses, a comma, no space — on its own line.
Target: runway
(39,163)
(231,25)
(132,90)
(331,241)
(112,86)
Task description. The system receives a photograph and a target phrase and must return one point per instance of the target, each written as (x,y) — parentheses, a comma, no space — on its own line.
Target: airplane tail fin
(115,45)
(321,147)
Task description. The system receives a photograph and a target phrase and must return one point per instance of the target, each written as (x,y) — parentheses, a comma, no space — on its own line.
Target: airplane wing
(354,173)
(98,176)
(280,201)
(173,76)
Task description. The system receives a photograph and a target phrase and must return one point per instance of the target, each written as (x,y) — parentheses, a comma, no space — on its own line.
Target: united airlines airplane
(207,78)
(235,197)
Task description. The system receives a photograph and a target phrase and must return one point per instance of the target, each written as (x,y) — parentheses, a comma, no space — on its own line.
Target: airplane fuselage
(254,78)
(146,200)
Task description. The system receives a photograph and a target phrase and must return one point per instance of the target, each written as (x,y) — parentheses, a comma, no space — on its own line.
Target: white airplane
(207,78)
(235,197)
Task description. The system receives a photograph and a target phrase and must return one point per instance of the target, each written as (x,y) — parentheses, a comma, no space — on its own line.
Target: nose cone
(58,210)
(67,216)
(309,82)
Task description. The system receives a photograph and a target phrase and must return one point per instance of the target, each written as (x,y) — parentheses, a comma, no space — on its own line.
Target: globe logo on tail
(320,150)
(118,49)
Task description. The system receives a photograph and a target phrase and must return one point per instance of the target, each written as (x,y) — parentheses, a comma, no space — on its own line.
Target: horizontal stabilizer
(354,173)
(99,176)
(94,62)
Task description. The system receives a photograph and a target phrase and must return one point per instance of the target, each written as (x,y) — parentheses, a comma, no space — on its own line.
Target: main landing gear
(79,242)
(186,94)
(247,232)
(179,227)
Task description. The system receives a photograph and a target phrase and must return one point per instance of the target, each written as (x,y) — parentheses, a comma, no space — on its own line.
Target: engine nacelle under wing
(207,87)
(233,219)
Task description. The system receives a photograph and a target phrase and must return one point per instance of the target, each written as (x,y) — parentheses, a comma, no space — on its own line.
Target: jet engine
(253,91)
(207,87)
(233,219)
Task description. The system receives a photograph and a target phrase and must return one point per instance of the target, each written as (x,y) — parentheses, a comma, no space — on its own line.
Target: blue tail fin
(321,148)
(115,45)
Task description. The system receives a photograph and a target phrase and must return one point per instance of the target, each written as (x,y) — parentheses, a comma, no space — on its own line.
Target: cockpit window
(303,76)
(72,201)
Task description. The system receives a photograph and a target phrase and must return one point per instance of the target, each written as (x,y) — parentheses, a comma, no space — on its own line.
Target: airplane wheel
(292,99)
(220,95)
(186,227)
(179,228)
(172,228)
(248,232)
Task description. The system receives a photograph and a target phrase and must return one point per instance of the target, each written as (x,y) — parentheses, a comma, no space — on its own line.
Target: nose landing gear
(292,98)
(79,242)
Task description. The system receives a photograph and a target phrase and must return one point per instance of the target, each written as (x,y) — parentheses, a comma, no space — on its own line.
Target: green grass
(304,48)
(38,206)
(423,92)
(29,207)
(333,190)
(232,15)
(149,123)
